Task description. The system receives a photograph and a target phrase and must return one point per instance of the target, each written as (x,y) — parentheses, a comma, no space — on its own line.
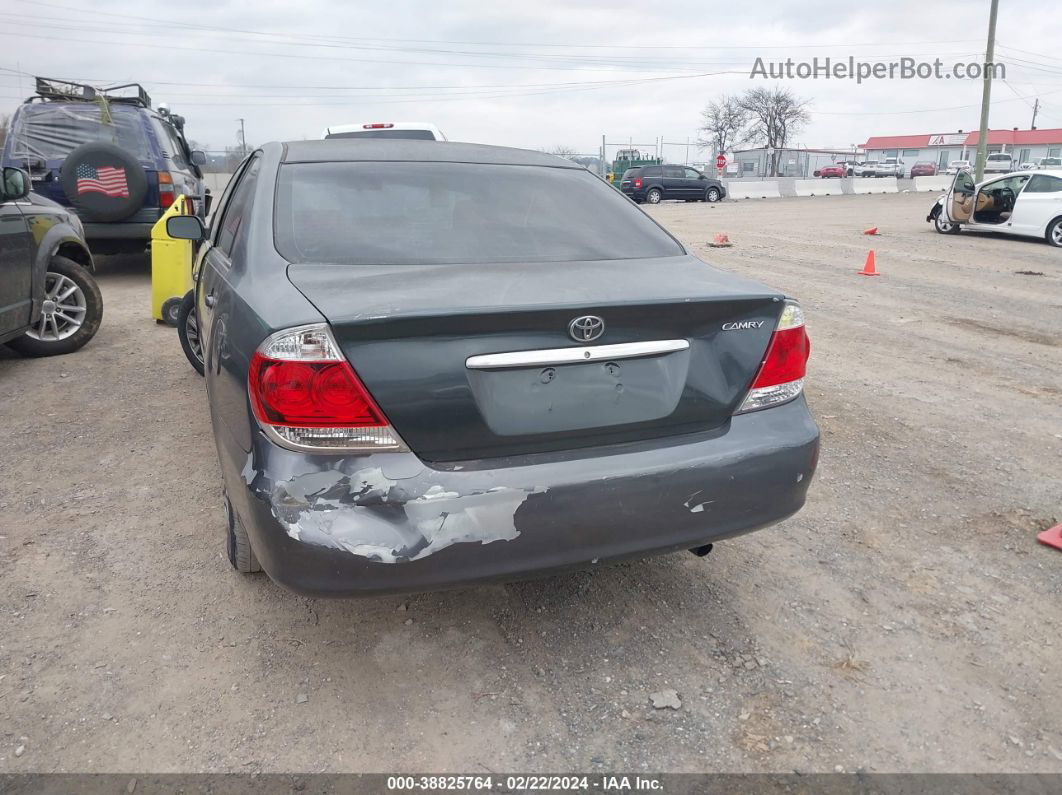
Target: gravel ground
(905,620)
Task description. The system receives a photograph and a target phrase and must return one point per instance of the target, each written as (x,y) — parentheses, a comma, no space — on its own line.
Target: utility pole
(243,139)
(1036,109)
(986,96)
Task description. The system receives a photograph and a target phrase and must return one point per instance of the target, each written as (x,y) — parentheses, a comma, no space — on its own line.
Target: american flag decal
(103,179)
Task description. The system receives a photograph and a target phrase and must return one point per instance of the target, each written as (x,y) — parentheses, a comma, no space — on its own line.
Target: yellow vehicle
(171,266)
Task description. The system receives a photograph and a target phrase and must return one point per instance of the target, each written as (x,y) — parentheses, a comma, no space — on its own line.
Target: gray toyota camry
(431,364)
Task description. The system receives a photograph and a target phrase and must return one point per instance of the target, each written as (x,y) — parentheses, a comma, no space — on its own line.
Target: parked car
(428,368)
(889,167)
(955,166)
(838,170)
(850,167)
(108,156)
(49,302)
(1021,203)
(999,163)
(865,169)
(409,130)
(924,168)
(1047,162)
(653,184)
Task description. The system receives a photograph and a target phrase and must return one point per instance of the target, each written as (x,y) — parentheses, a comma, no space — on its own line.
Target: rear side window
(1042,183)
(170,144)
(52,130)
(653,171)
(409,135)
(438,213)
(631,172)
(232,222)
(674,172)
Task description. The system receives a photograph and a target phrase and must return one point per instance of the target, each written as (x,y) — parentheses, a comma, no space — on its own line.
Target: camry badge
(586,328)
(743,324)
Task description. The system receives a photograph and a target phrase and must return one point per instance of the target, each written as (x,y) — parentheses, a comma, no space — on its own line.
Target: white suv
(412,130)
(999,163)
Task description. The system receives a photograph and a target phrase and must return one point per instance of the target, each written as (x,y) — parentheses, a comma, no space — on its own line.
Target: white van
(410,130)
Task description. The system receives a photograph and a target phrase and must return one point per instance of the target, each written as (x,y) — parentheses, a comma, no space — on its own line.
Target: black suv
(653,184)
(107,155)
(49,302)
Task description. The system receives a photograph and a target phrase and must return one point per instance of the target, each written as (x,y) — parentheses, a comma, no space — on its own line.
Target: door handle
(210,300)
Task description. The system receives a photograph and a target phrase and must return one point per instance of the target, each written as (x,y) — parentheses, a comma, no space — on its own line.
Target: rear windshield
(51,131)
(437,213)
(631,172)
(999,157)
(408,135)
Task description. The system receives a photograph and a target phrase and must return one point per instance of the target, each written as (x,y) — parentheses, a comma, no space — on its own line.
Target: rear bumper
(345,526)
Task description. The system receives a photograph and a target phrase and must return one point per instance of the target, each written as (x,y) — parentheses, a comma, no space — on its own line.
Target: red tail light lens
(166,192)
(781,374)
(306,395)
(377,126)
(637,182)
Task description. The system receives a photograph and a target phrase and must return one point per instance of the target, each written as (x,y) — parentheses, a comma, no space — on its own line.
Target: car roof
(376,149)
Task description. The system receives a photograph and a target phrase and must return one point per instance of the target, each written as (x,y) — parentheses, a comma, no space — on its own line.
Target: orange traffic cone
(722,240)
(868,268)
(872,231)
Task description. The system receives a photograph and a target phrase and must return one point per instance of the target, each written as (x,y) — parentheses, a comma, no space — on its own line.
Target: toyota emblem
(586,328)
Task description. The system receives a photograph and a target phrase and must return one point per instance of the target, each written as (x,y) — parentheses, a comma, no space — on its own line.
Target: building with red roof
(1026,146)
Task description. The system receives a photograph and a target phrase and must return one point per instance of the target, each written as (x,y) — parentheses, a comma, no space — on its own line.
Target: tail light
(637,182)
(166,192)
(306,396)
(781,374)
(377,126)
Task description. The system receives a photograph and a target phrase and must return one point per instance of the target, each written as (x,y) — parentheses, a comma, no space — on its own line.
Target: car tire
(171,308)
(654,196)
(712,195)
(48,337)
(188,332)
(944,226)
(1054,233)
(238,543)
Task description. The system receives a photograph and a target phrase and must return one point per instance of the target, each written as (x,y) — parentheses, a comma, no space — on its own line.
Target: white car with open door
(1025,203)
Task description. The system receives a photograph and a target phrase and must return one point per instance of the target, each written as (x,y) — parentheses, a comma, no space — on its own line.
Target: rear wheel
(70,315)
(1054,233)
(238,544)
(654,196)
(944,226)
(188,332)
(712,195)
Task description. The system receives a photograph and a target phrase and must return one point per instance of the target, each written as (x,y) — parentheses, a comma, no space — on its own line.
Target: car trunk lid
(416,334)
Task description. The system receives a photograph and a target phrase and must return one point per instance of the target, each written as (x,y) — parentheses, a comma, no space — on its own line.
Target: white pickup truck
(1000,163)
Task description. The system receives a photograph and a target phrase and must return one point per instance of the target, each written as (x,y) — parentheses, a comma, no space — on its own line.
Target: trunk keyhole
(613,369)
(547,375)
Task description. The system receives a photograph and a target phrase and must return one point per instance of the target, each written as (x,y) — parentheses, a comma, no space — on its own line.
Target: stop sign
(720,162)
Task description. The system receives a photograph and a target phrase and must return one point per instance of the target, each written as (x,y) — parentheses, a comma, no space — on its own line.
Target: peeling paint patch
(698,507)
(387,521)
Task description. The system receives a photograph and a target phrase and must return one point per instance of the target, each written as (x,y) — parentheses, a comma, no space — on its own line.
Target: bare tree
(562,151)
(725,124)
(5,123)
(776,115)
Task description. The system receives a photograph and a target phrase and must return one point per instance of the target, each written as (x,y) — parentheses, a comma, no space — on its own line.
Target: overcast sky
(534,74)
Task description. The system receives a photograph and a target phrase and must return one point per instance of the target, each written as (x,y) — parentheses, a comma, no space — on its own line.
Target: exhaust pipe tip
(701,551)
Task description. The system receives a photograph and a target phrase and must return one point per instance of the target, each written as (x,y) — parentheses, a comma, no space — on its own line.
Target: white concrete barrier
(939,183)
(875,185)
(216,183)
(739,189)
(818,187)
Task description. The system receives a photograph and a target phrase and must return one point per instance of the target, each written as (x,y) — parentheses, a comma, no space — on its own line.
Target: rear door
(1037,204)
(215,299)
(16,260)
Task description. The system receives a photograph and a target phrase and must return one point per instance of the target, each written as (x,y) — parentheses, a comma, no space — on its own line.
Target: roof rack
(52,88)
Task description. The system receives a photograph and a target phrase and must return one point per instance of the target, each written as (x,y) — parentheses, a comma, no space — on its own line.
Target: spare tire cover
(103,182)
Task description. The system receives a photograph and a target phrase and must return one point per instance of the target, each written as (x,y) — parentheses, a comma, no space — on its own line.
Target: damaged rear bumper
(388,522)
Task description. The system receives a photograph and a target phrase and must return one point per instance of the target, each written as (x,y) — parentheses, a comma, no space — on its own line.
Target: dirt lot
(905,620)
